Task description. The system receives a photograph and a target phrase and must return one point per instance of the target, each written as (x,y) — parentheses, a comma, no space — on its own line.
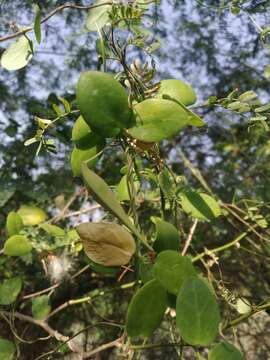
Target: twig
(62,214)
(189,238)
(55,285)
(40,323)
(80,212)
(220,248)
(103,347)
(51,14)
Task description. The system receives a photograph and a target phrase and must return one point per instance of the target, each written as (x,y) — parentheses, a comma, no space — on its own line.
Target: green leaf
(17,55)
(104,196)
(177,90)
(225,351)
(14,223)
(247,96)
(52,229)
(263,108)
(31,215)
(98,17)
(41,307)
(78,156)
(200,205)
(146,310)
(37,24)
(158,119)
(17,245)
(9,290)
(83,137)
(167,237)
(171,270)
(166,183)
(197,313)
(57,109)
(122,188)
(66,104)
(7,349)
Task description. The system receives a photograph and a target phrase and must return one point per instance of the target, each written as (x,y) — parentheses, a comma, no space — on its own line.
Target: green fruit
(83,137)
(78,156)
(158,119)
(177,90)
(17,245)
(14,223)
(31,215)
(103,103)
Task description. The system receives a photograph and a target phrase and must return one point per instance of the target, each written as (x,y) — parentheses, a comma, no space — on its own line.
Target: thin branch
(51,14)
(55,285)
(40,323)
(220,248)
(189,238)
(114,343)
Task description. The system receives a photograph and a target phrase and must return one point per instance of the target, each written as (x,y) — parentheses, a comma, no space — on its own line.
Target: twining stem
(220,248)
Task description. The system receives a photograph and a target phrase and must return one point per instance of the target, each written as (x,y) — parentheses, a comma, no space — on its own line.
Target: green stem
(220,248)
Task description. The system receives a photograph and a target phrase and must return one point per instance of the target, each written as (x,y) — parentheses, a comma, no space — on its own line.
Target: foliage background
(216,52)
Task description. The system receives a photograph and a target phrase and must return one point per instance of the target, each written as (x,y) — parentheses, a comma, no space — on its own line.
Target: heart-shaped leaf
(197,312)
(146,309)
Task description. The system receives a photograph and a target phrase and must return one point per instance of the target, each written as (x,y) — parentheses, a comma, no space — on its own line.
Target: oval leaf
(14,223)
(159,119)
(52,229)
(7,349)
(103,103)
(17,55)
(17,245)
(167,237)
(107,244)
(200,205)
(98,17)
(177,90)
(41,307)
(171,270)
(31,215)
(225,351)
(9,290)
(146,309)
(197,312)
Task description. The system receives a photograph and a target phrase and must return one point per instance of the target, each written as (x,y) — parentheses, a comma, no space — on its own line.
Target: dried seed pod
(107,244)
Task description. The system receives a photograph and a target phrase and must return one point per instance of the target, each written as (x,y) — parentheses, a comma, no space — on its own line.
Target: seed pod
(106,243)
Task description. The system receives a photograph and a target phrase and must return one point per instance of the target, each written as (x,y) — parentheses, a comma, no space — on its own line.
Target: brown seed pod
(107,244)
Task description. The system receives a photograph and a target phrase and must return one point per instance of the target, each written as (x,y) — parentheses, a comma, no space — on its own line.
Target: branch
(190,236)
(51,14)
(220,248)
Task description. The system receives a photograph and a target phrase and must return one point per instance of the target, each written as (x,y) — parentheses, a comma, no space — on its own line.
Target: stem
(51,14)
(220,248)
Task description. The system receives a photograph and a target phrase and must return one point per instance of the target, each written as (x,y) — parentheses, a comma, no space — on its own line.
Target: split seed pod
(107,244)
